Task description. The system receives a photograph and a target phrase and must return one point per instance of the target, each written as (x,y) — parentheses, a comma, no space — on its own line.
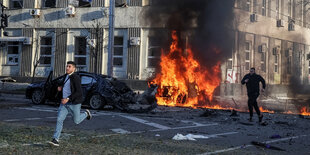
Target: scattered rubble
(264,145)
(208,112)
(234,113)
(275,136)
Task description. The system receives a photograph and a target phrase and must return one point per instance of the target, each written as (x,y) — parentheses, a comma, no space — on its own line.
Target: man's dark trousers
(253,103)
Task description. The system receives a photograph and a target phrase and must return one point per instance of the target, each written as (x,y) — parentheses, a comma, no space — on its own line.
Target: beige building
(271,35)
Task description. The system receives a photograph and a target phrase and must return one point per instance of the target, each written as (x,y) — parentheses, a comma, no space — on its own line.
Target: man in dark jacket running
(70,91)
(252,84)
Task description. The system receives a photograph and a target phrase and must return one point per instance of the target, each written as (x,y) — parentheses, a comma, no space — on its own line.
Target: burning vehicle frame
(98,91)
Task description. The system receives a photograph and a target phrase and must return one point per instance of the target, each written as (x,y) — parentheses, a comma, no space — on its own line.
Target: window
(263,58)
(230,64)
(120,3)
(13,53)
(264,8)
(118,52)
(49,3)
(289,64)
(46,45)
(247,65)
(255,6)
(80,3)
(276,63)
(84,3)
(80,53)
(85,80)
(247,55)
(289,9)
(309,67)
(16,4)
(154,52)
(248,6)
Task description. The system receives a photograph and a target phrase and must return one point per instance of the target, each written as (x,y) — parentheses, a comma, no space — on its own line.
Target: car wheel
(37,97)
(96,101)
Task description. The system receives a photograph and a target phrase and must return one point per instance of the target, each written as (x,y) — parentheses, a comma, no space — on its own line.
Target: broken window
(16,4)
(80,3)
(46,45)
(85,3)
(13,53)
(118,52)
(49,3)
(154,52)
(80,53)
(85,80)
(120,3)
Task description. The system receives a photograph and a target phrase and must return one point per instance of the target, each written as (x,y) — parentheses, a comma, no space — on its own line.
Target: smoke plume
(208,23)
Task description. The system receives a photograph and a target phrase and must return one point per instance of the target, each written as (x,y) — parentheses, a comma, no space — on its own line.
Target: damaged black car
(98,91)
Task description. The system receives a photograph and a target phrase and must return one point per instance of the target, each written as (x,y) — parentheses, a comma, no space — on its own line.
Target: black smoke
(209,23)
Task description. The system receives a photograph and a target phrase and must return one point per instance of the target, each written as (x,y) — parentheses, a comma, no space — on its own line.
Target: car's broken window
(87,80)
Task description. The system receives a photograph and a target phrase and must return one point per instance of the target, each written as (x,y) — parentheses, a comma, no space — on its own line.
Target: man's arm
(262,80)
(243,81)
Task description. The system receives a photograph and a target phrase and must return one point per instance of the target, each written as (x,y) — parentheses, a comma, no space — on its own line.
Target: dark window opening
(154,52)
(118,52)
(247,66)
(118,62)
(16,4)
(49,3)
(121,3)
(229,64)
(84,3)
(80,46)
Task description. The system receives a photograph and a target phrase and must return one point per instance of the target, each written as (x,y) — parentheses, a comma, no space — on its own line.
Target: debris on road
(275,136)
(264,145)
(208,112)
(234,113)
(189,137)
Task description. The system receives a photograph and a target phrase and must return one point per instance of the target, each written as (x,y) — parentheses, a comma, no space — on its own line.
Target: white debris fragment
(4,144)
(189,137)
(157,135)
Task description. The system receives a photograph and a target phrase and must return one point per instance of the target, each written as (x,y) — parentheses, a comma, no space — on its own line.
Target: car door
(53,92)
(87,83)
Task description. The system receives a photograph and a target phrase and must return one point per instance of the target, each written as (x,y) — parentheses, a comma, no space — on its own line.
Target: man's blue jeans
(64,109)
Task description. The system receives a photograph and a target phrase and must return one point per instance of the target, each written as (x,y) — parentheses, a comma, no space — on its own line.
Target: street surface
(221,133)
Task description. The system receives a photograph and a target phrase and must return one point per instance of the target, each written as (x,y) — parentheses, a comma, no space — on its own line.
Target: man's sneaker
(54,142)
(260,118)
(89,116)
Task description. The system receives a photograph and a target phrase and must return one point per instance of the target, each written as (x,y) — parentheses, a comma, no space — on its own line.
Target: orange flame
(183,81)
(304,111)
(265,110)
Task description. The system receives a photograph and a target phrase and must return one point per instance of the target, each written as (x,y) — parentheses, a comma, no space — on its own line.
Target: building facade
(271,35)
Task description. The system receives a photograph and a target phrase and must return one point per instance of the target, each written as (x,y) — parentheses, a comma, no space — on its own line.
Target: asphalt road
(226,134)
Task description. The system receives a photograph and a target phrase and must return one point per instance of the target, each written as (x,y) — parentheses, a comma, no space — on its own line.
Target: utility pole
(111,37)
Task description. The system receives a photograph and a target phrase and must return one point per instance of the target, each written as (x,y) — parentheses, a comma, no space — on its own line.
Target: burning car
(98,91)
